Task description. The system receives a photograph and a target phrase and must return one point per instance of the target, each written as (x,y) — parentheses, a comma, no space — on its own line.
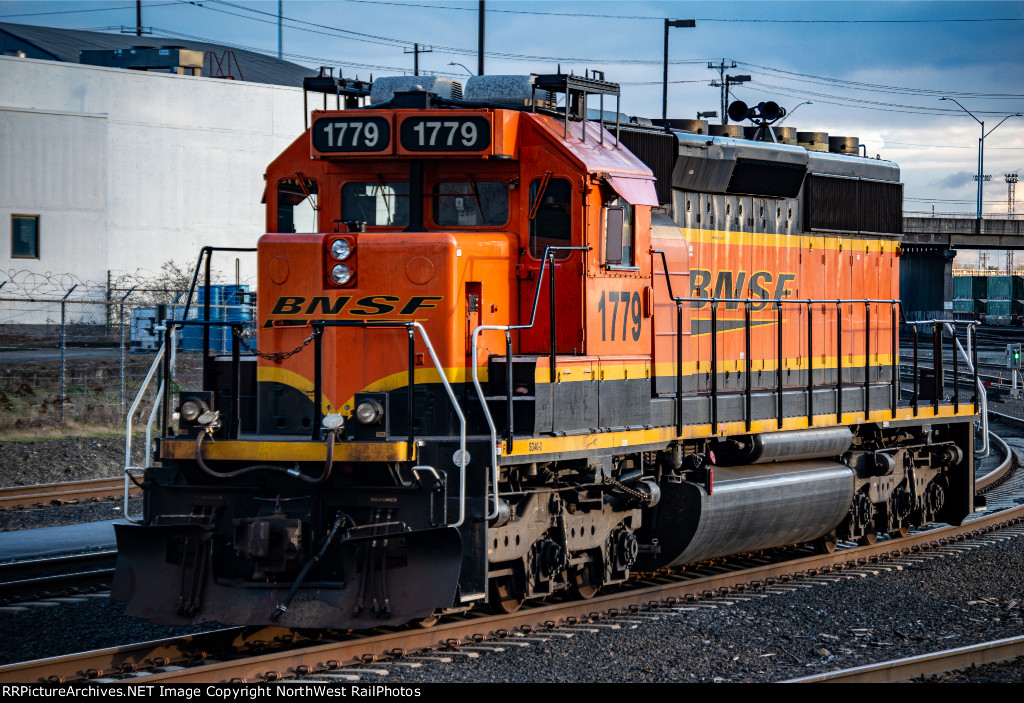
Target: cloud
(953,180)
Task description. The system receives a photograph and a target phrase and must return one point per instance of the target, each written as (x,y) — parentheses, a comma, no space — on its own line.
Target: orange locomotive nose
(390,279)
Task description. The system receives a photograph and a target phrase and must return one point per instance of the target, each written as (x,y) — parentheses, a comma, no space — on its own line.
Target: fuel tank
(749,508)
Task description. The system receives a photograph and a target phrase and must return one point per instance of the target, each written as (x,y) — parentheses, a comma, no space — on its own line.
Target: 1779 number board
(445,133)
(351,134)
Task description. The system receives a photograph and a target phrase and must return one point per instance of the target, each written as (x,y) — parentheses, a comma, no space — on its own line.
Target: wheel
(868,539)
(826,544)
(899,533)
(583,586)
(504,600)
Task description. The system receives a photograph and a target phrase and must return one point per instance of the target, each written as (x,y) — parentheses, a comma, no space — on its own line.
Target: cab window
(297,205)
(618,233)
(470,204)
(377,203)
(551,218)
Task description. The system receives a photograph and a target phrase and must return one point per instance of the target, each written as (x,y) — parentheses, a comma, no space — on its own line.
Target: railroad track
(47,494)
(925,664)
(35,579)
(269,654)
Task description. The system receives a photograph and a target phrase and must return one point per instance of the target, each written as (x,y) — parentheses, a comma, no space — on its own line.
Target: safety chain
(642,497)
(276,357)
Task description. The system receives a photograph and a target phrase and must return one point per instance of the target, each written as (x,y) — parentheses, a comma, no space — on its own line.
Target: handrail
(152,417)
(411,327)
(549,255)
(970,358)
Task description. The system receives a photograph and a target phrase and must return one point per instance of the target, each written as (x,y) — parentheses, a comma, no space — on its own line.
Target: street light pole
(664,80)
(981,146)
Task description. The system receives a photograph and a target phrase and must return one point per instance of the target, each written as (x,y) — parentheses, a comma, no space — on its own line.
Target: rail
(549,256)
(461,458)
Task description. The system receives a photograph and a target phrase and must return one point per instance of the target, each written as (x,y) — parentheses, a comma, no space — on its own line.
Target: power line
(91,9)
(699,19)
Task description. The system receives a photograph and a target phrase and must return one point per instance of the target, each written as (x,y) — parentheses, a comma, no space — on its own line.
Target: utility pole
(138,18)
(416,51)
(480,40)
(724,83)
(280,18)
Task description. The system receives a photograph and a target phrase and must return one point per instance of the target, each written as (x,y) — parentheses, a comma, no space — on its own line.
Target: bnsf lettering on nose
(366,306)
(729,284)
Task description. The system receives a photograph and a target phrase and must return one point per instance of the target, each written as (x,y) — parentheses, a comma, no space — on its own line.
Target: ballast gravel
(952,597)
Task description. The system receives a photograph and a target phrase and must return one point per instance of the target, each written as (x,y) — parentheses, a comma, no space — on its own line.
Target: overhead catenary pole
(664,79)
(480,40)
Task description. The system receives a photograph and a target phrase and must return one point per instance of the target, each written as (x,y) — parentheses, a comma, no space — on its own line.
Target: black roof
(64,45)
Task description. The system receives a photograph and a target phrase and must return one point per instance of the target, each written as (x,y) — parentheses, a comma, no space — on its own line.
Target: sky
(873,70)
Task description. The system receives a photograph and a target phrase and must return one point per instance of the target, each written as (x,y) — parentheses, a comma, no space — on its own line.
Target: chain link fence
(71,359)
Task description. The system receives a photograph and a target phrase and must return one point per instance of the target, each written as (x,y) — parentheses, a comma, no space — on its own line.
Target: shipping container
(970,287)
(1004,307)
(1005,288)
(972,306)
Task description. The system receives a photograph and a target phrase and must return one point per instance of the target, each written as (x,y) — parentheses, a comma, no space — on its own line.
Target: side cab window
(619,244)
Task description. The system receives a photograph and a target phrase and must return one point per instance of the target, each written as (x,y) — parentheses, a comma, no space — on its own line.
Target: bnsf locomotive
(506,349)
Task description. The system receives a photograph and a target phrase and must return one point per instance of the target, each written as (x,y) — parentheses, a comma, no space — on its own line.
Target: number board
(445,133)
(351,134)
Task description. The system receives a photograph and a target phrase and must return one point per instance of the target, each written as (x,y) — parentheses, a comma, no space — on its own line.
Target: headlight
(341,249)
(190,410)
(369,412)
(341,274)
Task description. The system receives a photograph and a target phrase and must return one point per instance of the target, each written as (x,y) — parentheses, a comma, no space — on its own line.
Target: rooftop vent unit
(385,88)
(165,59)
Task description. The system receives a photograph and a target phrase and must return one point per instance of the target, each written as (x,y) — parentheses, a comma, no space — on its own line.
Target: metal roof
(64,44)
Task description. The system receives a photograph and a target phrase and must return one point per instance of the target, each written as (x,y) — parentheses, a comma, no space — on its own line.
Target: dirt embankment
(24,462)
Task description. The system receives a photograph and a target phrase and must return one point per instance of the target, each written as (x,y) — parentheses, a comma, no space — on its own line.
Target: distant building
(107,172)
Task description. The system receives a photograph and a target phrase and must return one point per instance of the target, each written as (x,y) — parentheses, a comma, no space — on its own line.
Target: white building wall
(183,161)
(54,165)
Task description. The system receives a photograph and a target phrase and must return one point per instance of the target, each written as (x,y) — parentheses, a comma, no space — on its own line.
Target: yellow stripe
(664,435)
(287,451)
(800,241)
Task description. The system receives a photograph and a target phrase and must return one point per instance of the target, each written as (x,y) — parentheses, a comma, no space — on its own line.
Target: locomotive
(507,349)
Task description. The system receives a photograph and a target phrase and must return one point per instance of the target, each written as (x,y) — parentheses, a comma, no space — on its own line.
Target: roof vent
(501,90)
(813,141)
(385,88)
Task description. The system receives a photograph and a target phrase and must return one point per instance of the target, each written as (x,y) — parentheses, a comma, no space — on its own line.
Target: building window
(25,236)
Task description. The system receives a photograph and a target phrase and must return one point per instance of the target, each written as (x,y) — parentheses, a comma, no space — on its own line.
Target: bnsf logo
(367,306)
(762,284)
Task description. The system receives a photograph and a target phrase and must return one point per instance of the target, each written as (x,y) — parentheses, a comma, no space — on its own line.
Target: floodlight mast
(664,80)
